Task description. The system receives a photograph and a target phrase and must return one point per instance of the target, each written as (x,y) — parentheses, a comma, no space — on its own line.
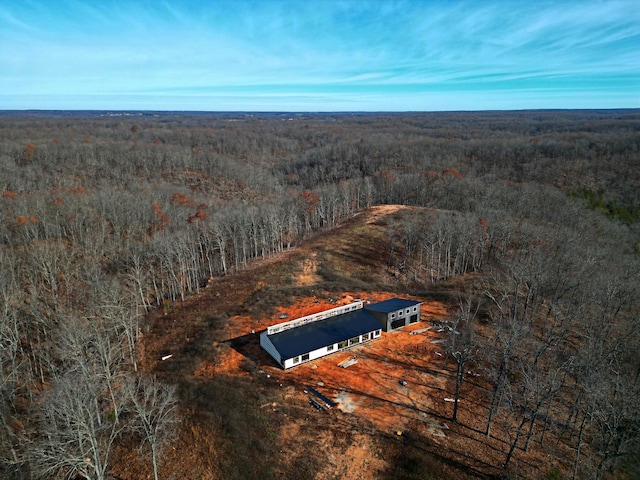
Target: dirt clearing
(390,404)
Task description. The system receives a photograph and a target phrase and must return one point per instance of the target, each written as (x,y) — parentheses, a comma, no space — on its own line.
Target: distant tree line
(103,218)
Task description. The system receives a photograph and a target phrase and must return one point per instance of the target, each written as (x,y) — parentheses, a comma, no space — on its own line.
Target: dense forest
(107,216)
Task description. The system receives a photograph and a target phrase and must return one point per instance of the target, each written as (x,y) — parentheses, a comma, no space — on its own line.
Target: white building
(308,338)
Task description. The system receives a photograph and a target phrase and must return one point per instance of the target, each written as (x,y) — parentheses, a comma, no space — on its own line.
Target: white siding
(315,317)
(321,352)
(265,343)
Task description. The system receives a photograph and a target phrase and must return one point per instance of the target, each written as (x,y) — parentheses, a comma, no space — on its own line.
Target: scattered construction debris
(323,400)
(418,332)
(316,404)
(346,363)
(167,357)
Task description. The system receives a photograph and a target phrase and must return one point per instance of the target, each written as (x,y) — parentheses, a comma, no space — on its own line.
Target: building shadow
(248,346)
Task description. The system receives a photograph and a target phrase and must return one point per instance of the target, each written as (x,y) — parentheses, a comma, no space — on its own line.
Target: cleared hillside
(380,428)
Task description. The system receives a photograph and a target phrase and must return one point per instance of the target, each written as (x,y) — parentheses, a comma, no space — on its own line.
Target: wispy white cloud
(399,47)
(9,20)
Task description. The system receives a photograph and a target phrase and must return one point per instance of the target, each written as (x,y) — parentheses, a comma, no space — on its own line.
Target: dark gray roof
(391,305)
(312,336)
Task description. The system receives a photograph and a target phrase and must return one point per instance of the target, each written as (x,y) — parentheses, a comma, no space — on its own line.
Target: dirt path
(309,274)
(373,402)
(374,214)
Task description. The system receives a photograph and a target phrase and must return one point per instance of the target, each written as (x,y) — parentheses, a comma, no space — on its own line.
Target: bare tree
(155,408)
(616,404)
(137,274)
(10,379)
(74,430)
(218,231)
(509,335)
(462,342)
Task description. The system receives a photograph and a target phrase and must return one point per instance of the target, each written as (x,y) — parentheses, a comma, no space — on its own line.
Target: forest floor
(378,422)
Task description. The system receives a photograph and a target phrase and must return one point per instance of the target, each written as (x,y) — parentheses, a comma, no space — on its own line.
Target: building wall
(336,347)
(388,321)
(333,312)
(270,347)
(399,318)
(406,314)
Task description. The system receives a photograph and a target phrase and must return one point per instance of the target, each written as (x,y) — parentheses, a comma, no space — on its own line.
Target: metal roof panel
(391,305)
(312,336)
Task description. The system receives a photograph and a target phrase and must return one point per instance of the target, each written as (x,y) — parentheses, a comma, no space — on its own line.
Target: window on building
(408,311)
(354,340)
(415,309)
(305,357)
(365,337)
(296,360)
(343,344)
(330,348)
(393,315)
(376,334)
(400,314)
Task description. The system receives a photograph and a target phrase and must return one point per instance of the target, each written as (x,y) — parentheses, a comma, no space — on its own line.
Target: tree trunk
(514,444)
(494,400)
(154,461)
(577,461)
(459,374)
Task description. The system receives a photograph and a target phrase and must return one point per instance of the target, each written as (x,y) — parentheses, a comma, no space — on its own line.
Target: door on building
(397,323)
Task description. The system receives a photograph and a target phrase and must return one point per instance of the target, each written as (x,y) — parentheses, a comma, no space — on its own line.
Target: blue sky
(319,55)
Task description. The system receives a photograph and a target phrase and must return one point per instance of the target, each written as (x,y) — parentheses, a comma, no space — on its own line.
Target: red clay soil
(371,400)
(370,387)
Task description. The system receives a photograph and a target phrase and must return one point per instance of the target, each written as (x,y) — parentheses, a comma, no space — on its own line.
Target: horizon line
(305,112)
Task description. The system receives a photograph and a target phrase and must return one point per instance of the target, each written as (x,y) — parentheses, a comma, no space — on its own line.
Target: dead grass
(214,338)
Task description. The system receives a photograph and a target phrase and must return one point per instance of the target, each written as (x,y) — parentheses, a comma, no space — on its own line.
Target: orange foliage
(453,172)
(164,219)
(199,215)
(483,224)
(25,219)
(9,194)
(183,200)
(311,199)
(29,151)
